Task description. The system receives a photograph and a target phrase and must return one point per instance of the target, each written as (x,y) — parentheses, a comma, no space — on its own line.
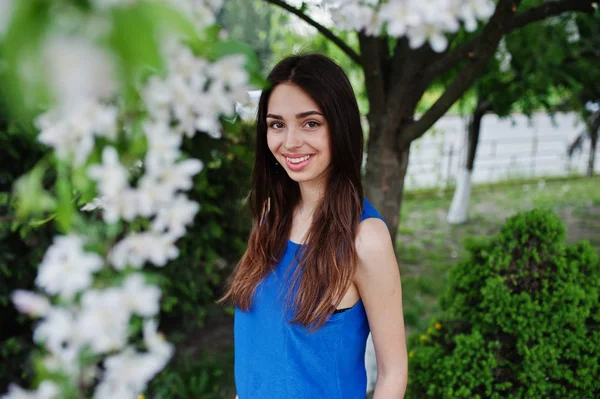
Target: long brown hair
(327,262)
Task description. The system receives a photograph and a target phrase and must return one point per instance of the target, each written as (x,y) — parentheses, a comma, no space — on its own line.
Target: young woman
(320,270)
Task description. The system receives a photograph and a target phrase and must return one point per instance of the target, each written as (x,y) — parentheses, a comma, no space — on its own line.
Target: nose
(293,139)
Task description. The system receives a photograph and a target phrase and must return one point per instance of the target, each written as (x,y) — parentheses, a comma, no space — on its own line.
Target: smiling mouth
(296,164)
(298,160)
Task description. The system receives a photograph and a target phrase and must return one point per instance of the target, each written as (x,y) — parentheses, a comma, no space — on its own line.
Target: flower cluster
(82,80)
(420,21)
(196,91)
(85,318)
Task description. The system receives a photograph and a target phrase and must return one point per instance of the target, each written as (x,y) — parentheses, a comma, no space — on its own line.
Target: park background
(521,140)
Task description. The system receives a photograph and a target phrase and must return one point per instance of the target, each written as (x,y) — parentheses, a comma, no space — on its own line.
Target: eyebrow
(298,116)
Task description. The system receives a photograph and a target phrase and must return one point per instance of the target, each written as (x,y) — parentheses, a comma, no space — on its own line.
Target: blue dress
(275,359)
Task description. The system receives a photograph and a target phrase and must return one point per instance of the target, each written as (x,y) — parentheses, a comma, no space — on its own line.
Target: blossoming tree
(406,46)
(114,88)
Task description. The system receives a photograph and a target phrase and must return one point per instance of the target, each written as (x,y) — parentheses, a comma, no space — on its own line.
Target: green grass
(427,245)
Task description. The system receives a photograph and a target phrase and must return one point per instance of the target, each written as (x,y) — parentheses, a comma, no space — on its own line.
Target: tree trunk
(462,193)
(384,178)
(594,129)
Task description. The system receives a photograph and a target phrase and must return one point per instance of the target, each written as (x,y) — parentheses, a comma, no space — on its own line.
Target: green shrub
(521,319)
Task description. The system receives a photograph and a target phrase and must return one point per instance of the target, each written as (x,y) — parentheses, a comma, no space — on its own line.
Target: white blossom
(194,93)
(125,205)
(155,342)
(96,203)
(46,390)
(399,16)
(138,248)
(170,178)
(71,131)
(78,70)
(58,332)
(66,268)
(104,320)
(481,8)
(230,70)
(420,21)
(175,216)
(139,297)
(127,373)
(430,33)
(111,175)
(163,144)
(161,181)
(30,303)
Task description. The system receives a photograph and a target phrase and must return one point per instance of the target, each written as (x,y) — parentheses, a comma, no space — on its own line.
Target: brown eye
(312,124)
(276,125)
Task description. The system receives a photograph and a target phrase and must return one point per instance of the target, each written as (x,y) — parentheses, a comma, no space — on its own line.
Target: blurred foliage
(521,319)
(21,249)
(209,250)
(195,376)
(216,241)
(554,66)
(190,284)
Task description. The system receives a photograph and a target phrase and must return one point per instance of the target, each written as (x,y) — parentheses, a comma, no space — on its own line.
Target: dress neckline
(293,244)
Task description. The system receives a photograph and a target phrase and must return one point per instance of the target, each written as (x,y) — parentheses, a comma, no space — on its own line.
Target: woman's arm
(378,281)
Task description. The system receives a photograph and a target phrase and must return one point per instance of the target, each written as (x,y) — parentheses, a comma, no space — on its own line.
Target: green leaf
(134,39)
(32,199)
(65,209)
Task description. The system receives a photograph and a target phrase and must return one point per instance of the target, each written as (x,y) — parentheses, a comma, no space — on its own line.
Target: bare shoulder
(378,281)
(373,241)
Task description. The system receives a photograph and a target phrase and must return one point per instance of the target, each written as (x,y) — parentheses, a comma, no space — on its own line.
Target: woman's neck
(310,193)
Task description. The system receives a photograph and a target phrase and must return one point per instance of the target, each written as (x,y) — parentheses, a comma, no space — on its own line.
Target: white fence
(509,147)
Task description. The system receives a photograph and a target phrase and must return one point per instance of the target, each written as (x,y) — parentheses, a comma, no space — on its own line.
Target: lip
(296,155)
(297,167)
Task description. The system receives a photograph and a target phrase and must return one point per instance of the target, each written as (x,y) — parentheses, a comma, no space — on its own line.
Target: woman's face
(298,134)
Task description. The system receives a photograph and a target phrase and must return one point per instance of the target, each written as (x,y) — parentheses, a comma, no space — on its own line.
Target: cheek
(326,146)
(273,142)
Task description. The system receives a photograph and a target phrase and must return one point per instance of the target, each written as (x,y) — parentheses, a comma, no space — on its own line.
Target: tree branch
(470,49)
(323,30)
(372,68)
(548,9)
(489,38)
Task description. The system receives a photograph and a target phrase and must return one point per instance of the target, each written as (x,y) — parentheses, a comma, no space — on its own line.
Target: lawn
(427,246)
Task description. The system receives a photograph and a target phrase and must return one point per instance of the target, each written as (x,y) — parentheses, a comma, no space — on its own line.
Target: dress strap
(369,211)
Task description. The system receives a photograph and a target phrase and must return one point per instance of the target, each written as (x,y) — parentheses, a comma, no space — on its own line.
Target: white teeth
(298,160)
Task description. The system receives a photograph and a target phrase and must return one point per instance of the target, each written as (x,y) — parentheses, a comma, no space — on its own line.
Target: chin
(302,177)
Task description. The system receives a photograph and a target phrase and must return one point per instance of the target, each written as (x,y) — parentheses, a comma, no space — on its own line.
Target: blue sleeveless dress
(275,359)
